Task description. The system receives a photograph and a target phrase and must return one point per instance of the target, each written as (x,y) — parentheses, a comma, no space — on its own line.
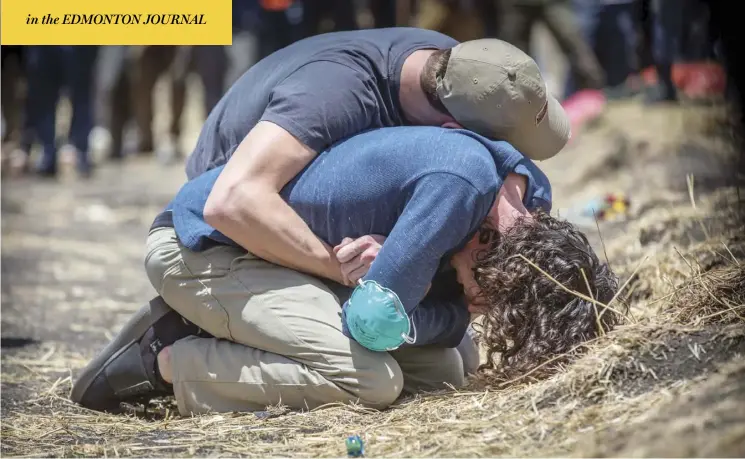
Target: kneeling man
(455,212)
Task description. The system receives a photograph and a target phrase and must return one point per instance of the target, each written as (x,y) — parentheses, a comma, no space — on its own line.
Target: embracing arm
(305,114)
(245,204)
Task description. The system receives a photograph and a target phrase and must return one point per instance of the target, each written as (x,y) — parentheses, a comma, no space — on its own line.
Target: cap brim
(547,138)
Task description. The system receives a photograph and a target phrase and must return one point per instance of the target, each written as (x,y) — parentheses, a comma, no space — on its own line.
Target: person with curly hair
(524,281)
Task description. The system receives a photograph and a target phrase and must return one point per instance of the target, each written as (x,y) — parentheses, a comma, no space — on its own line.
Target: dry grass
(669,382)
(717,296)
(634,374)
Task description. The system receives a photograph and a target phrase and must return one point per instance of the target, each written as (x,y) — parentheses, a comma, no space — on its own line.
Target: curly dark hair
(529,319)
(433,69)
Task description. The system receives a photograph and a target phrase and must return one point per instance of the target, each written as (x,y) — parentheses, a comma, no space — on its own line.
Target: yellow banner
(116,22)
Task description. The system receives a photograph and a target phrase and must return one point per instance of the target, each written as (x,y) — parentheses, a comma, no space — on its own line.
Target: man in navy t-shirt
(454,211)
(303,98)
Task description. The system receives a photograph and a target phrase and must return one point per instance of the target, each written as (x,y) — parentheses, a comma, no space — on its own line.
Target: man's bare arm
(245,204)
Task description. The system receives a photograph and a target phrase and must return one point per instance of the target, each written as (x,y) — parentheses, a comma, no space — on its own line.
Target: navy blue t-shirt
(427,189)
(321,89)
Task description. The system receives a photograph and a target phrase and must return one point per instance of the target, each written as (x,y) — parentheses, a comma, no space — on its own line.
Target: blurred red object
(275,5)
(584,106)
(694,79)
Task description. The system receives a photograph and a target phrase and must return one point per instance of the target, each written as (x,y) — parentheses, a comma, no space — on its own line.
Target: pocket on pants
(206,288)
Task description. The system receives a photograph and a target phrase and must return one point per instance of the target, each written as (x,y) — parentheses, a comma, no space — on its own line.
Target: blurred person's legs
(46,79)
(122,110)
(561,20)
(179,71)
(16,146)
(383,12)
(455,18)
(611,31)
(625,19)
(725,32)
(276,31)
(112,96)
(342,12)
(211,64)
(517,22)
(489,12)
(697,43)
(646,30)
(696,72)
(152,62)
(11,81)
(589,16)
(109,67)
(30,122)
(79,70)
(241,55)
(432,14)
(345,15)
(244,51)
(667,33)
(271,38)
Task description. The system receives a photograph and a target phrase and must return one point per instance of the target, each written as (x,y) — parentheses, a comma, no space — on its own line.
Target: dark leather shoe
(125,371)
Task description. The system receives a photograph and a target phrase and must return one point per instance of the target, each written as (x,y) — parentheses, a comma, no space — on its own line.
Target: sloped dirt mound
(706,422)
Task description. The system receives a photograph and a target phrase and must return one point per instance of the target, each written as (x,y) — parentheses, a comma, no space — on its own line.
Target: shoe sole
(131,333)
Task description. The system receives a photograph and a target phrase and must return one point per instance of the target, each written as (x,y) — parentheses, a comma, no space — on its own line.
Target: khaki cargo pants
(278,337)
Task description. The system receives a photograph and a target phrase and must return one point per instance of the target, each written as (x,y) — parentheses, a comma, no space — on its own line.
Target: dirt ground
(669,382)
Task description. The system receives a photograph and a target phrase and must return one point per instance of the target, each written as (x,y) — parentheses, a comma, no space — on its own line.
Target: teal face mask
(376,318)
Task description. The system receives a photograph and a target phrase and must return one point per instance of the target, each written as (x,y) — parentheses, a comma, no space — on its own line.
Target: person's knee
(452,372)
(381,383)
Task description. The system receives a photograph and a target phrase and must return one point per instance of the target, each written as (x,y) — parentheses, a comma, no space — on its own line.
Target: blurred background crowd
(659,51)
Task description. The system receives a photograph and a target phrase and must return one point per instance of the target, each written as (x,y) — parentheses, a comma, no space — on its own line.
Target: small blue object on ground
(355,446)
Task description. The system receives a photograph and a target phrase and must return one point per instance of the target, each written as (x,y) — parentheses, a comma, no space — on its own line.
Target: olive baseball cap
(493,88)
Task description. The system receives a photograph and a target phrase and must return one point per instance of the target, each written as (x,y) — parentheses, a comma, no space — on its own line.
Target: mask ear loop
(406,337)
(402,312)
